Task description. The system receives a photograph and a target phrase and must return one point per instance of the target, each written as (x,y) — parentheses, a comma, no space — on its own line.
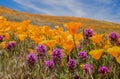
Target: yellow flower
(68,45)
(45,30)
(49,43)
(81,66)
(114,51)
(7,29)
(96,54)
(69,37)
(97,38)
(105,46)
(36,40)
(79,36)
(73,27)
(3,45)
(58,39)
(31,51)
(22,37)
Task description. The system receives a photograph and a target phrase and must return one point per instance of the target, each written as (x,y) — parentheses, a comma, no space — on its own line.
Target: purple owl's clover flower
(82,55)
(49,64)
(31,59)
(57,55)
(10,45)
(71,65)
(113,36)
(88,68)
(88,33)
(41,51)
(76,77)
(103,70)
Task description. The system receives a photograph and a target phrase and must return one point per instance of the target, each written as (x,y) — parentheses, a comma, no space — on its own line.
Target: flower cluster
(49,64)
(10,45)
(82,55)
(113,36)
(103,70)
(88,68)
(57,55)
(88,33)
(41,51)
(31,59)
(71,65)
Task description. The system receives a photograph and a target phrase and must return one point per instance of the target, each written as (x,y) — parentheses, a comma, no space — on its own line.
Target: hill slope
(39,19)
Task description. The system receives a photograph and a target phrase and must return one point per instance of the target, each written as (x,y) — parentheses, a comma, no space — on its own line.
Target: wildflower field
(39,52)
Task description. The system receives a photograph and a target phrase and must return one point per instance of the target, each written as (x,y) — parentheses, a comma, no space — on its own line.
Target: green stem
(75,44)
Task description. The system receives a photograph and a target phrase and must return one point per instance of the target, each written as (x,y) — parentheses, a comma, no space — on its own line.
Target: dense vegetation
(34,52)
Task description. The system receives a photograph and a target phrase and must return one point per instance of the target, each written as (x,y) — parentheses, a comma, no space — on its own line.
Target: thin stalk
(75,44)
(90,74)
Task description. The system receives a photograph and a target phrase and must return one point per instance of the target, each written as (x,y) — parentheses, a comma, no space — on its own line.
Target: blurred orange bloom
(96,54)
(97,38)
(22,37)
(3,45)
(73,27)
(114,51)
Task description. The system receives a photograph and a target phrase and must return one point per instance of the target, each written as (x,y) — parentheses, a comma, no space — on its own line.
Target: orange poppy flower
(97,38)
(22,37)
(3,45)
(96,54)
(73,27)
(114,51)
